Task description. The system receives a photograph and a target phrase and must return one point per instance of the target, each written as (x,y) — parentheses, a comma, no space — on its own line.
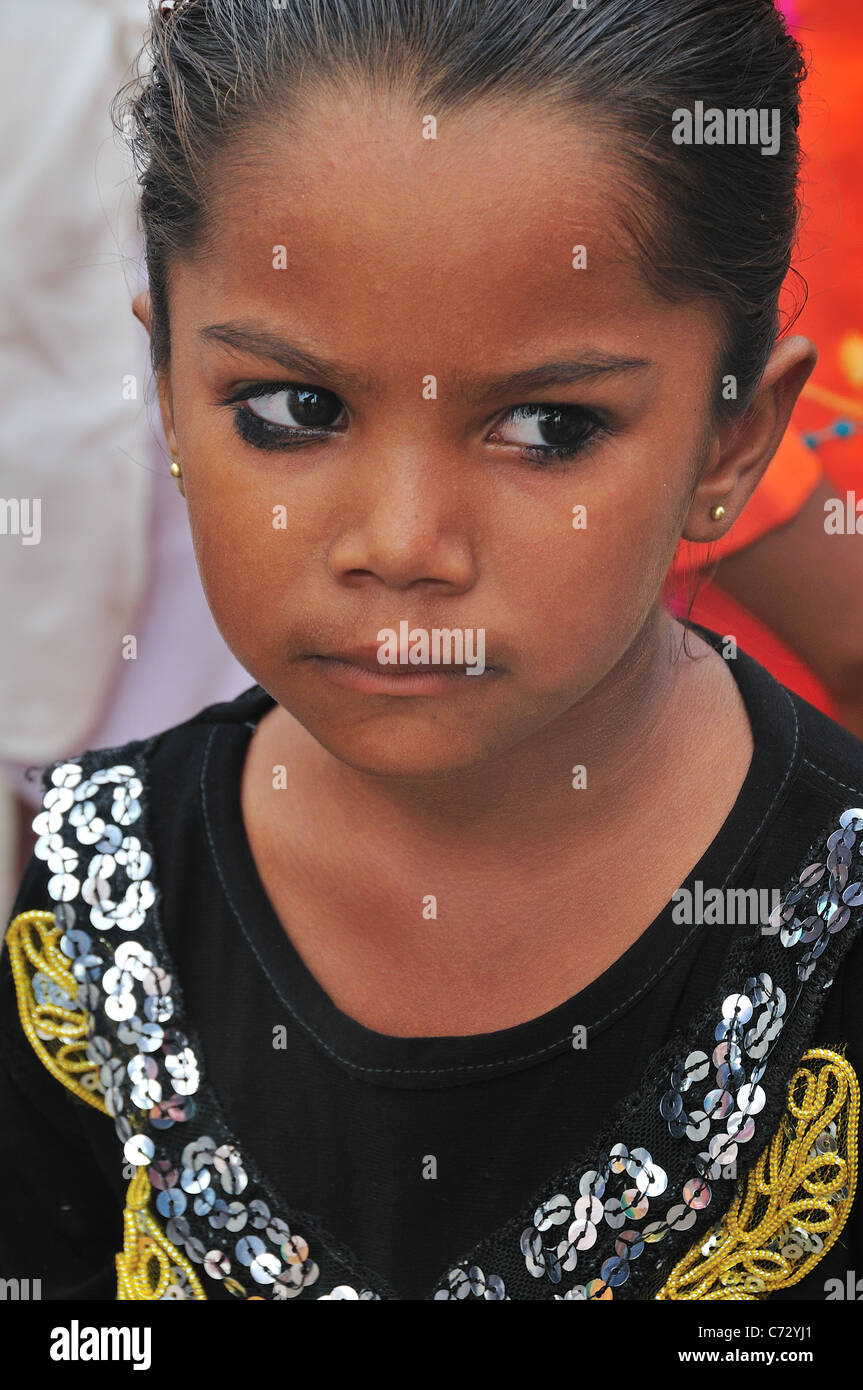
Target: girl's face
(393,378)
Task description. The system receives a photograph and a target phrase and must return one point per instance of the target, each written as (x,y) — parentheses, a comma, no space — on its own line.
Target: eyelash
(271,438)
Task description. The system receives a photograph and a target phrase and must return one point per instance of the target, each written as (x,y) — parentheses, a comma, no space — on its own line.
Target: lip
(366,657)
(358,669)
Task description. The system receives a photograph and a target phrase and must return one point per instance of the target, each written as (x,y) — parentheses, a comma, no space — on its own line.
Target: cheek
(250,554)
(581,585)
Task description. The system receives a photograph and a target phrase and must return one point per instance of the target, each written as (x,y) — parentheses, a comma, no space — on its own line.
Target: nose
(406,522)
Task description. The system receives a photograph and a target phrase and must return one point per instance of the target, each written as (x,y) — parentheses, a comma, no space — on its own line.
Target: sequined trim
(472,1283)
(795,1201)
(601,1225)
(138,1059)
(218,1213)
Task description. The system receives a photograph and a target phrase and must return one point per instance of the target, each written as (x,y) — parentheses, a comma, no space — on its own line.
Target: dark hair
(718,221)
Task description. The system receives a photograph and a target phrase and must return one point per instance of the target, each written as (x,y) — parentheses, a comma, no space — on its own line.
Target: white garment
(67,340)
(114,556)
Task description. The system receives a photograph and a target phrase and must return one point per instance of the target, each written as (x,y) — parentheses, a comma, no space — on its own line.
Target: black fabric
(343,1121)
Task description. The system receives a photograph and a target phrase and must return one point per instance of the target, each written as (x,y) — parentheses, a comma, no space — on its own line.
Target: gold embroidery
(44,985)
(56,1027)
(794,1203)
(790,1211)
(53,1022)
(150,1266)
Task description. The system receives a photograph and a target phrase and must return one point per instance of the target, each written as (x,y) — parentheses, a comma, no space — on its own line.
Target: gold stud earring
(175,468)
(717,513)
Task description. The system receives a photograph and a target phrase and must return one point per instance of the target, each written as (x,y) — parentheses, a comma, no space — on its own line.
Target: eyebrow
(243,337)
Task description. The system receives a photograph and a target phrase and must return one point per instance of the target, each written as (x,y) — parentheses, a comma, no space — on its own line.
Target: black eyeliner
(268,437)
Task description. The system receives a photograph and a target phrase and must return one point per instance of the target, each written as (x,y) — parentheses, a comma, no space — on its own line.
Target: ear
(142,309)
(166,410)
(739,452)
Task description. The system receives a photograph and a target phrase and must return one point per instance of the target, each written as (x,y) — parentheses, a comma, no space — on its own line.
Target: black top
(409,1150)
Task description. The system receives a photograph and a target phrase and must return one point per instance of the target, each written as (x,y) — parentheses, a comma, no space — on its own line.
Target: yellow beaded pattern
(790,1211)
(150,1267)
(44,987)
(794,1203)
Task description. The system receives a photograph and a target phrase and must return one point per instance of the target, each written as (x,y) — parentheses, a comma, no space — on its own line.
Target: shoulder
(187,733)
(823,796)
(814,764)
(112,820)
(827,791)
(819,815)
(162,765)
(99,800)
(831,758)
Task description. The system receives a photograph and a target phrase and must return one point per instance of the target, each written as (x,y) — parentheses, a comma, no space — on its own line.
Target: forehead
(448,244)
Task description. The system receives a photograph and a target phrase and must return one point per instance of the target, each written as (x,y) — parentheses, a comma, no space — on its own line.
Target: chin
(422,752)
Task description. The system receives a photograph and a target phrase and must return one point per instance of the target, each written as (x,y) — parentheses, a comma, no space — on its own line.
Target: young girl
(498,942)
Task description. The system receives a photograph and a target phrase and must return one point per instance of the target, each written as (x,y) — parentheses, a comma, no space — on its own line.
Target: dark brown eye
(296,407)
(553,431)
